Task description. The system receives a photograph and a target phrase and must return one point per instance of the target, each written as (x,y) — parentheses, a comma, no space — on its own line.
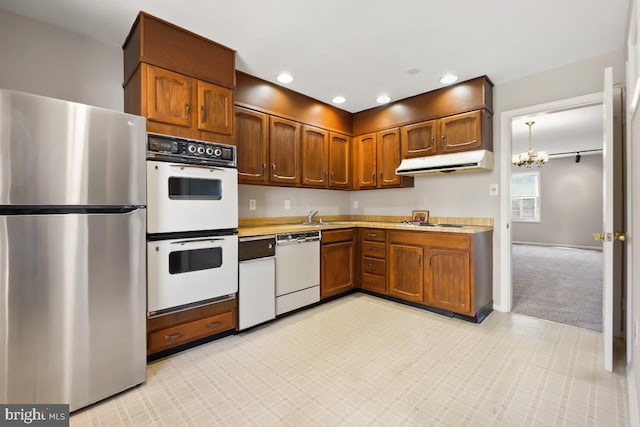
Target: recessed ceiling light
(338,99)
(383,99)
(412,71)
(448,79)
(285,78)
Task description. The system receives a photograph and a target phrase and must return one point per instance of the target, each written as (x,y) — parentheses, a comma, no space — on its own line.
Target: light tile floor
(361,360)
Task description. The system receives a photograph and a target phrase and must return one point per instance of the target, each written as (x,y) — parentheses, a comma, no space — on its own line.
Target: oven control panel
(174,149)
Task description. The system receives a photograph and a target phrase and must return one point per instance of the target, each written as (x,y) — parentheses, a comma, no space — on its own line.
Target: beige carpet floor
(559,284)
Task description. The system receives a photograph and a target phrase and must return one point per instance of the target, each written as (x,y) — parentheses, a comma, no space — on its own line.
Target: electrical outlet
(355,204)
(252,204)
(287,204)
(493,189)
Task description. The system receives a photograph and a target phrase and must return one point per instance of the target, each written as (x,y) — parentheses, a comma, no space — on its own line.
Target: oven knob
(217,152)
(201,150)
(192,148)
(209,151)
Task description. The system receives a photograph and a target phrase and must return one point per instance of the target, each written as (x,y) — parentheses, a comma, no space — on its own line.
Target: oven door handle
(208,239)
(183,166)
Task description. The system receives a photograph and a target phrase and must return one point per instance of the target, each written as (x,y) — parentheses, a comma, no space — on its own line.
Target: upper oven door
(183,197)
(186,271)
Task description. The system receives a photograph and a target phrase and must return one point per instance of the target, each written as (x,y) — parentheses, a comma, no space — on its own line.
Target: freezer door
(72,307)
(57,153)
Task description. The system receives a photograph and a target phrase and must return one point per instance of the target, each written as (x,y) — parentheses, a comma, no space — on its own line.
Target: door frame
(506,118)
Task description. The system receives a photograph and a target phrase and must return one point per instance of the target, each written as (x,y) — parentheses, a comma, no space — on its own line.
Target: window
(525,196)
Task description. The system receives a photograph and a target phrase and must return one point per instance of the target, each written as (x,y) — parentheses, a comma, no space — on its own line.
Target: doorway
(556,207)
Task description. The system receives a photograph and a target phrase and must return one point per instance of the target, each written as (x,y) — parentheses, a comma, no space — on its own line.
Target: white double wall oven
(192,223)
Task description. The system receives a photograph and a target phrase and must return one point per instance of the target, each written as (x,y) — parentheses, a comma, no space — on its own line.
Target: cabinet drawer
(373,249)
(176,335)
(337,236)
(373,234)
(373,266)
(374,282)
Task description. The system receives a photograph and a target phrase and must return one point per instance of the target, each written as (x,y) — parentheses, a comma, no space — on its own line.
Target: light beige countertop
(266,226)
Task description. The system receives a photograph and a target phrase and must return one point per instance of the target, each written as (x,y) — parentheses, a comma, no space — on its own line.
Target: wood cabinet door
(315,157)
(284,151)
(419,139)
(448,282)
(337,274)
(406,272)
(388,157)
(252,145)
(461,132)
(168,97)
(365,148)
(339,161)
(215,108)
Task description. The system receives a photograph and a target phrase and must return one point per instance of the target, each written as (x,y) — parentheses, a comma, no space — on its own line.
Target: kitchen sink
(319,224)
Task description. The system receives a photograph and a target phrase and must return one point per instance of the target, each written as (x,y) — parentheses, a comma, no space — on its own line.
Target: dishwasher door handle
(244,261)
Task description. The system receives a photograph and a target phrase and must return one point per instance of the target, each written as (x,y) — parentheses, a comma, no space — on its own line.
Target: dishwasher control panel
(297,237)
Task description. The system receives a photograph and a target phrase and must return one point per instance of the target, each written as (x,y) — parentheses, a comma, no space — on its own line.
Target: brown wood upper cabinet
(215,108)
(376,157)
(315,157)
(168,97)
(460,132)
(284,151)
(339,161)
(252,141)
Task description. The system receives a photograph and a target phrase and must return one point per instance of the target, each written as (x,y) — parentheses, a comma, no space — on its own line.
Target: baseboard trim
(632,393)
(500,307)
(592,248)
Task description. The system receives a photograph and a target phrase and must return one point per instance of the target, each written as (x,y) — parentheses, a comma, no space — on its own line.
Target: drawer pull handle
(370,265)
(372,281)
(174,336)
(372,235)
(373,249)
(214,324)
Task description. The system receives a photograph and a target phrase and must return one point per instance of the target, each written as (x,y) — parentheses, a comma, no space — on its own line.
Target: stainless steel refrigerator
(72,251)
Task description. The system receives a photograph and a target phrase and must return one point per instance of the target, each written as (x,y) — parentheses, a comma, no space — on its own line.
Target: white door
(612,220)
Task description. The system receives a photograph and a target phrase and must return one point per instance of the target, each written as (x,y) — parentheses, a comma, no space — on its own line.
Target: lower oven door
(183,197)
(187,271)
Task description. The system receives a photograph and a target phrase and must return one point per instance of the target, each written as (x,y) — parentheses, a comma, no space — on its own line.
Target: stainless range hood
(466,161)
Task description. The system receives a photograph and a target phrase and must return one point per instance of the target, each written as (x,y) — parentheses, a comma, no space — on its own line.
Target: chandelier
(528,158)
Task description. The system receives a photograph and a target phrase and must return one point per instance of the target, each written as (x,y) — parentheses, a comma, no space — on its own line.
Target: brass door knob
(598,236)
(619,235)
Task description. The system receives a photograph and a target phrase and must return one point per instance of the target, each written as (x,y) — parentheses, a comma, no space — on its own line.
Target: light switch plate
(287,204)
(252,204)
(355,204)
(493,190)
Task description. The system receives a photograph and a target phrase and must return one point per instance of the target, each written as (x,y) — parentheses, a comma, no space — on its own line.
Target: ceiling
(361,49)
(578,129)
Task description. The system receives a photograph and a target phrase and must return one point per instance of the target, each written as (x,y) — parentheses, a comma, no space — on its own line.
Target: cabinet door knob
(264,166)
(273,166)
(187,110)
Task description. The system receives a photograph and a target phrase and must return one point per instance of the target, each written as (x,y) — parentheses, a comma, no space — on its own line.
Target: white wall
(570,204)
(45,60)
(270,201)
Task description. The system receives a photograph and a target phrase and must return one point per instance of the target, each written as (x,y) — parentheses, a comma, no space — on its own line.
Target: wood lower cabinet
(406,271)
(448,271)
(451,134)
(284,151)
(448,280)
(252,146)
(376,157)
(174,329)
(373,259)
(337,262)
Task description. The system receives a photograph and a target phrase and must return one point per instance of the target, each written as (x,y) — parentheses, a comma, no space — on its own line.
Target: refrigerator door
(58,153)
(72,307)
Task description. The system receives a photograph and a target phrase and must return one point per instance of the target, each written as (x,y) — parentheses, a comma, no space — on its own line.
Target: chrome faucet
(311,215)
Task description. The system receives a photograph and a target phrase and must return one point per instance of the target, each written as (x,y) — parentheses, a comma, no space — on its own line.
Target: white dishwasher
(297,270)
(256,280)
